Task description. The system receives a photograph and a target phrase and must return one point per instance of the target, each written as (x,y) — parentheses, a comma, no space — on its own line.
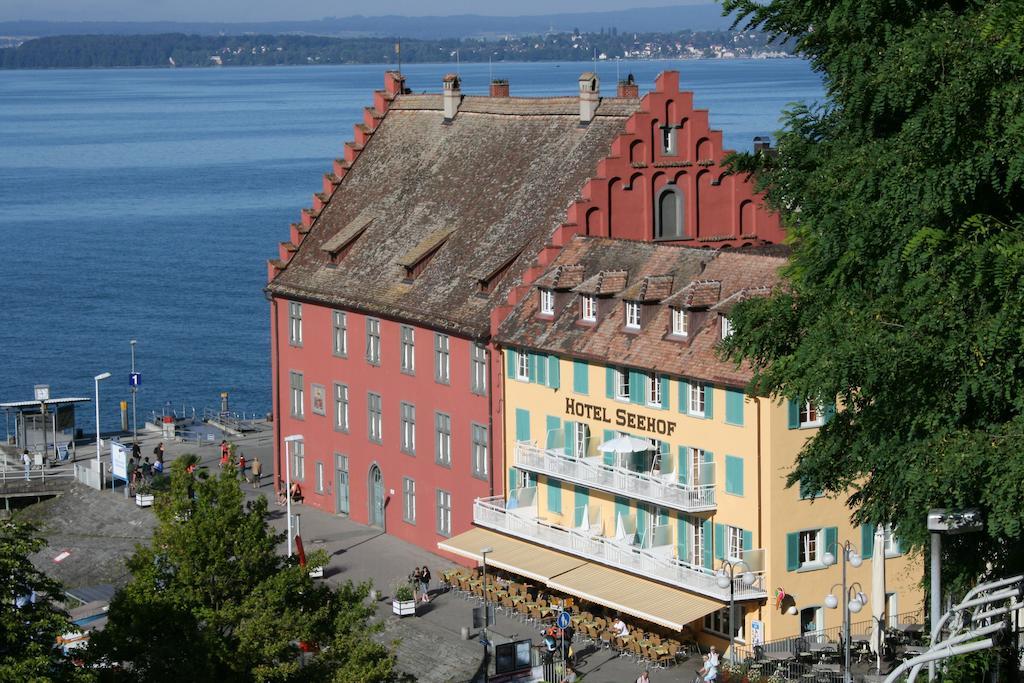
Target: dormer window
(588,308)
(726,327)
(547,302)
(632,315)
(679,322)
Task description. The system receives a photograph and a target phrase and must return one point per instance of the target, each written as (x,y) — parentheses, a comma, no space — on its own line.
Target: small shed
(41,426)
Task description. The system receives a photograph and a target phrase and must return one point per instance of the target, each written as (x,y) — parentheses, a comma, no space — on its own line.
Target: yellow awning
(627,593)
(512,555)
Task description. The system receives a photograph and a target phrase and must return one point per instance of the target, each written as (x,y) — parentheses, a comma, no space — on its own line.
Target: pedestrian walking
(416,580)
(257,472)
(425,583)
(147,471)
(225,452)
(26,460)
(136,450)
(241,466)
(158,451)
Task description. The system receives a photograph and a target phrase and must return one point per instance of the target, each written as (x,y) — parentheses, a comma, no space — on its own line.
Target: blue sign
(134,379)
(563,620)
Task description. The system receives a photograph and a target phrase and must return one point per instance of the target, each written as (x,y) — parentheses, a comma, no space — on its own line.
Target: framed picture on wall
(319,394)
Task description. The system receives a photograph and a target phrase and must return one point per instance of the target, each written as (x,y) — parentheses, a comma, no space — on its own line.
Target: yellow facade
(750,444)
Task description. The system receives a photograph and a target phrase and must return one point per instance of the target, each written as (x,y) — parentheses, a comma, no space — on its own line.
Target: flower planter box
(316,573)
(144,500)
(404,608)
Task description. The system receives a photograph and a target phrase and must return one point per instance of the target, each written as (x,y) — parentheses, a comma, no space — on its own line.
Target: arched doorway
(375,497)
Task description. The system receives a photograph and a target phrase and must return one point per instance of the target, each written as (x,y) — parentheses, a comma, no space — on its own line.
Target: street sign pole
(135,387)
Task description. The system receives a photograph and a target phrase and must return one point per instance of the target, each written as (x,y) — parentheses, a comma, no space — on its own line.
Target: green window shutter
(748,540)
(570,441)
(609,457)
(828,412)
(684,396)
(708,561)
(684,466)
(580,379)
(734,475)
(540,365)
(719,541)
(552,432)
(513,478)
(794,414)
(734,407)
(579,502)
(665,396)
(867,540)
(832,540)
(522,424)
(681,542)
(793,551)
(709,402)
(554,496)
(554,372)
(609,382)
(512,359)
(637,384)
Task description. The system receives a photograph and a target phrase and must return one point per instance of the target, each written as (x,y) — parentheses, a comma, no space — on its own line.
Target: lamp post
(288,484)
(853,601)
(728,580)
(97,379)
(483,633)
(135,430)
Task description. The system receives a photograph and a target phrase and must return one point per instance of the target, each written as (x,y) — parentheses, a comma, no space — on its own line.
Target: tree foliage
(902,195)
(211,596)
(30,618)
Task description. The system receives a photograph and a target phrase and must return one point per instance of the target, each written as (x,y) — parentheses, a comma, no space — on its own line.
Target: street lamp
(97,379)
(288,484)
(483,633)
(854,601)
(728,580)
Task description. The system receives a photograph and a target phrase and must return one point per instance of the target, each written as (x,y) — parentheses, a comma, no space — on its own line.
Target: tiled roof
(604,283)
(731,274)
(500,181)
(651,289)
(561,278)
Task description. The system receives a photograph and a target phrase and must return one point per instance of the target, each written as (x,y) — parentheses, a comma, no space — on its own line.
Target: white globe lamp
(831,601)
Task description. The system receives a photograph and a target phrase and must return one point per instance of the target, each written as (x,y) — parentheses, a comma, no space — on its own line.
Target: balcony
(519,517)
(662,489)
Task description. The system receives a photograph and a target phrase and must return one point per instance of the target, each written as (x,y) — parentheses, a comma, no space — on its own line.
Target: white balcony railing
(521,520)
(593,472)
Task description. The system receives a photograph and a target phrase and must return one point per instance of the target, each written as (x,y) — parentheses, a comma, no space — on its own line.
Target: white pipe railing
(616,480)
(521,520)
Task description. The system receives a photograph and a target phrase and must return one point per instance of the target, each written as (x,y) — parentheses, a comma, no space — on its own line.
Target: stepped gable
(654,271)
(441,202)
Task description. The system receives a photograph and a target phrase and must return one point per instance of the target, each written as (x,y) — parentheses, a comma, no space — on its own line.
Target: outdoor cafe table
(778,656)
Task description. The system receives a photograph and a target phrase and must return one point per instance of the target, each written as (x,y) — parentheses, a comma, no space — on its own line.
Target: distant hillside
(674,18)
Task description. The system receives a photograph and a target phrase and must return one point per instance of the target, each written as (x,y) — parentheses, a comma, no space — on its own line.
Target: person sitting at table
(619,628)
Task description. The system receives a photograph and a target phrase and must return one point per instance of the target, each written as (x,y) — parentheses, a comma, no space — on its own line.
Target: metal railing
(616,480)
(521,520)
(16,472)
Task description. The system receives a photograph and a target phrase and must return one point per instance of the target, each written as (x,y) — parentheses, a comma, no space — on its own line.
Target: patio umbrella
(624,444)
(878,592)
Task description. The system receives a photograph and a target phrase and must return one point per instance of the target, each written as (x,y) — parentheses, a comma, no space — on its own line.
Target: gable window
(668,139)
(653,391)
(341,407)
(726,327)
(696,399)
(443,433)
(810,547)
(811,415)
(442,358)
(523,367)
(668,215)
(373,341)
(632,315)
(621,384)
(340,337)
(298,394)
(408,350)
(588,308)
(408,415)
(294,323)
(679,322)
(479,377)
(547,302)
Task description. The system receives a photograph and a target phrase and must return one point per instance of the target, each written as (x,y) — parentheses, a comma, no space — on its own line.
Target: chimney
(394,83)
(452,96)
(590,96)
(499,87)
(628,88)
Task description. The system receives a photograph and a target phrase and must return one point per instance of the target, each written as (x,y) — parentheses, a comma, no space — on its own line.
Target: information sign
(119,460)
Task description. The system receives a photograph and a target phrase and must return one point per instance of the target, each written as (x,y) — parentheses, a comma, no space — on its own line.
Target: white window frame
(478,450)
(408,341)
(718,623)
(547,302)
(523,367)
(891,543)
(409,500)
(318,477)
(654,397)
(696,557)
(297,383)
(407,412)
(680,326)
(695,464)
(580,439)
(632,315)
(811,415)
(375,417)
(339,342)
(733,543)
(443,439)
(295,323)
(726,327)
(341,407)
(479,376)
(442,358)
(812,548)
(373,341)
(443,505)
(622,384)
(588,308)
(695,401)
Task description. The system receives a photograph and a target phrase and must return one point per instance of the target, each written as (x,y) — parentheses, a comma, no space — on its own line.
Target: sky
(274,10)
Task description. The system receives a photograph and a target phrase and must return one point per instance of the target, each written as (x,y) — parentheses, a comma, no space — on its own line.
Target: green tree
(902,195)
(211,596)
(30,619)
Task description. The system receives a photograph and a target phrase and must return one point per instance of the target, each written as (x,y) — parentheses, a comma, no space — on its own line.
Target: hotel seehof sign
(620,417)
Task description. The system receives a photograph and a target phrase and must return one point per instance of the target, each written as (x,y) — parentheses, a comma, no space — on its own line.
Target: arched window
(668,215)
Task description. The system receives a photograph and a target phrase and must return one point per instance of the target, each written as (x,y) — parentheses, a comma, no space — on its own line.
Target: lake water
(143,204)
